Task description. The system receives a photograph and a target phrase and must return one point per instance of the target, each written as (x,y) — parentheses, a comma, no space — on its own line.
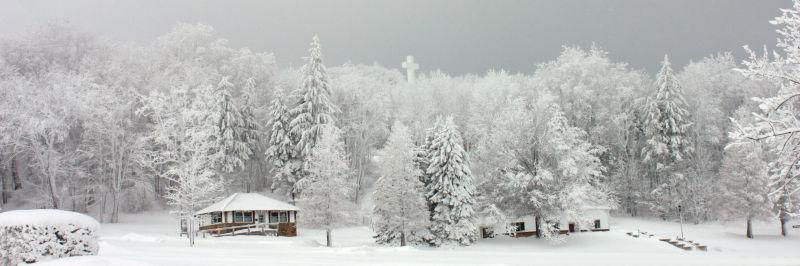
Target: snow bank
(140,238)
(47,217)
(92,261)
(33,235)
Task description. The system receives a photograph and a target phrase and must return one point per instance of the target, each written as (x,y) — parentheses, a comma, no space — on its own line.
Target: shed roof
(248,202)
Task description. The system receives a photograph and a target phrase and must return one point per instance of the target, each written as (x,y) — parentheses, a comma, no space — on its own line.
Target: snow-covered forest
(106,128)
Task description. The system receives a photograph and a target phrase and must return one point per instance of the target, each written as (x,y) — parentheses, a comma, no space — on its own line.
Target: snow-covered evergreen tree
(666,126)
(281,146)
(250,134)
(423,150)
(401,212)
(314,109)
(235,150)
(451,188)
(250,127)
(778,122)
(325,192)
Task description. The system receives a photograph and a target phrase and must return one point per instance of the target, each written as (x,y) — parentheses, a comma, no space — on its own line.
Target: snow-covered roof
(248,202)
(47,217)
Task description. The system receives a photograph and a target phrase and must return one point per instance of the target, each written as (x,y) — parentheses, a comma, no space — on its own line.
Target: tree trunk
(402,239)
(72,197)
(6,184)
(783,223)
(538,227)
(328,240)
(51,184)
(15,175)
(783,215)
(115,208)
(749,228)
(50,172)
(190,230)
(103,206)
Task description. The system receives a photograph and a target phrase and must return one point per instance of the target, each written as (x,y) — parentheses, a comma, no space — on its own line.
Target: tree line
(101,127)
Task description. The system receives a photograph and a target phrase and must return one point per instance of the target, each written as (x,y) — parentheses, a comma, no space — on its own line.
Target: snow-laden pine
(401,213)
(324,193)
(234,148)
(666,126)
(450,190)
(250,133)
(313,110)
(281,151)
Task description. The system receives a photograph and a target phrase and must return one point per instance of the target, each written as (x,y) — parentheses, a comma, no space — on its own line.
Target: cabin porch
(280,223)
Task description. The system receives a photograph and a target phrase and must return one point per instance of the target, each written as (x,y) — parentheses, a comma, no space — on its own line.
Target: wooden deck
(276,229)
(221,225)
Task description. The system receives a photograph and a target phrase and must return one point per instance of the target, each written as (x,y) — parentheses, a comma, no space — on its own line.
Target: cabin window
(487,232)
(518,227)
(216,217)
(242,217)
(596,224)
(279,217)
(261,217)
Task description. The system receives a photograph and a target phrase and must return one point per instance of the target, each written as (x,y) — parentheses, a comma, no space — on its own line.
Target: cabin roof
(248,202)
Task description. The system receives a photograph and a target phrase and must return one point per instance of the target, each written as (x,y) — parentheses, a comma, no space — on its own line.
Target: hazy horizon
(473,37)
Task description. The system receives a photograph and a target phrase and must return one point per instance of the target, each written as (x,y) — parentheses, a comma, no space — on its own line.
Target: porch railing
(263,228)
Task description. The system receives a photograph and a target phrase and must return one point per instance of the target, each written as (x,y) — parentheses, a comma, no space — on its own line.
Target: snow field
(151,239)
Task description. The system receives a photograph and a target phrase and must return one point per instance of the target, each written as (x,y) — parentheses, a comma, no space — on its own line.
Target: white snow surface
(46,217)
(93,261)
(248,202)
(152,239)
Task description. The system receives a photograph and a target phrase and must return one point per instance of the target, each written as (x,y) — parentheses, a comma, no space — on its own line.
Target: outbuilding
(596,219)
(251,212)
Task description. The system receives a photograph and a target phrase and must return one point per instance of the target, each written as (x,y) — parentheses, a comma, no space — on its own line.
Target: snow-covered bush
(28,236)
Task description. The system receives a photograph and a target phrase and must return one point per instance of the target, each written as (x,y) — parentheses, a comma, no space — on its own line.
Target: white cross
(410,67)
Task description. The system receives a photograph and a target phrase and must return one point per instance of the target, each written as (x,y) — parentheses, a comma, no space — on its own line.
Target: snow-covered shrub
(33,235)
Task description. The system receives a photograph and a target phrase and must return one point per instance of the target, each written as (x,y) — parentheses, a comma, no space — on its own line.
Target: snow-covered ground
(151,239)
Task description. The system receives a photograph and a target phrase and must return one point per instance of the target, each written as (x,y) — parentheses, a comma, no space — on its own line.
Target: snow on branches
(324,195)
(401,212)
(450,190)
(778,124)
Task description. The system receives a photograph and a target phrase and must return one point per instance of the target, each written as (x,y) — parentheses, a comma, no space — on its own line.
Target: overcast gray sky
(463,36)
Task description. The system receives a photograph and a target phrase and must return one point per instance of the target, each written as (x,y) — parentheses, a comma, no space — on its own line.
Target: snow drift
(33,235)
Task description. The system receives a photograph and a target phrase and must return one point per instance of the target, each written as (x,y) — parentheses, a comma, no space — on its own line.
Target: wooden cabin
(249,212)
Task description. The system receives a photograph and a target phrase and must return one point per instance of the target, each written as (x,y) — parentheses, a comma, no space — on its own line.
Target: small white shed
(598,218)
